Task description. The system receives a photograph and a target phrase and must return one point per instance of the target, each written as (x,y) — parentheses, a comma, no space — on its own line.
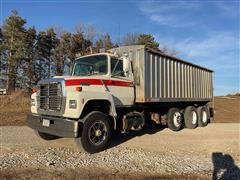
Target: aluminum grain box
(162,78)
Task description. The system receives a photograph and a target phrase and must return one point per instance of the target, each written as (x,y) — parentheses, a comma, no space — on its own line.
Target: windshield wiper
(116,75)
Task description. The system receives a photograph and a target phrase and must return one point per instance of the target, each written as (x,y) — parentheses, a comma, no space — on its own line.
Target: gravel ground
(152,154)
(119,159)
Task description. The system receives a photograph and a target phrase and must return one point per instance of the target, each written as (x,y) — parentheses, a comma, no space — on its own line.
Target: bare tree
(90,33)
(130,38)
(170,51)
(79,28)
(88,30)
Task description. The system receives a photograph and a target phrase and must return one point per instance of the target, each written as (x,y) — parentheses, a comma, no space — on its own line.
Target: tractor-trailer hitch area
(56,126)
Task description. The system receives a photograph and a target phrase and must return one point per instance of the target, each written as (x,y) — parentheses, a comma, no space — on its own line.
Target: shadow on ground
(224,167)
(119,138)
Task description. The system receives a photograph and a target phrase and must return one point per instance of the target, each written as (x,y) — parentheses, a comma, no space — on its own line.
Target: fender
(87,96)
(113,112)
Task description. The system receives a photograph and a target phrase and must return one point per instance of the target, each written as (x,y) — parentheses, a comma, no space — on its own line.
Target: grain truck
(121,90)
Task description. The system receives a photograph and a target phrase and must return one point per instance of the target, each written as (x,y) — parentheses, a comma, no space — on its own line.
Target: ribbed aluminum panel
(161,78)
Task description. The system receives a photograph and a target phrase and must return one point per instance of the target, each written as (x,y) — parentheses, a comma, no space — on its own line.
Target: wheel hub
(204,117)
(98,133)
(194,117)
(177,119)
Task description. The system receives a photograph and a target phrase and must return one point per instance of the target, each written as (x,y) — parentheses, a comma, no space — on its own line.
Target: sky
(202,32)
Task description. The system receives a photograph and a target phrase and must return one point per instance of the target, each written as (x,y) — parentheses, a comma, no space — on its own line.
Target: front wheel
(96,132)
(202,116)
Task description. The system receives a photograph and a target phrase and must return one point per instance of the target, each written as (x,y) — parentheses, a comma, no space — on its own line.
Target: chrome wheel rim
(204,117)
(97,133)
(194,117)
(177,119)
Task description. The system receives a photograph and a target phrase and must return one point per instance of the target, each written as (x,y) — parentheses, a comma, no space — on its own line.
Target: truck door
(121,85)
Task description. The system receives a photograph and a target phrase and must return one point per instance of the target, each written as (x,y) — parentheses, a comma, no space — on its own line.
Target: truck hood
(75,80)
(93,80)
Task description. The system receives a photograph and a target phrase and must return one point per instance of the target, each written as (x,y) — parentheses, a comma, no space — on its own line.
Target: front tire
(175,120)
(190,117)
(96,133)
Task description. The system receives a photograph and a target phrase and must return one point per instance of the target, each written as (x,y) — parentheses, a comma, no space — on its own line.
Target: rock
(49,164)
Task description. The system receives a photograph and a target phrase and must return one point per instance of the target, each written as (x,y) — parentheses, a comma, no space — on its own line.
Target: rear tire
(45,136)
(175,120)
(96,133)
(208,112)
(202,116)
(190,117)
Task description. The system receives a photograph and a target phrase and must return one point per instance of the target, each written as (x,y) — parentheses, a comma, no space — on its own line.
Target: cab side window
(117,67)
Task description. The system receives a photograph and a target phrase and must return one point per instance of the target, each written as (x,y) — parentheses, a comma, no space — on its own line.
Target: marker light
(79,89)
(35,89)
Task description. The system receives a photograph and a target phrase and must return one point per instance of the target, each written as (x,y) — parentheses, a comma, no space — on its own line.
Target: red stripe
(76,82)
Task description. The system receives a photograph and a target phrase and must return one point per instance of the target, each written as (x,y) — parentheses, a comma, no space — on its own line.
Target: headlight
(33,102)
(72,104)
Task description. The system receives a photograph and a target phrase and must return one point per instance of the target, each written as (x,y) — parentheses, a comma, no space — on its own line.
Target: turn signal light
(35,89)
(79,89)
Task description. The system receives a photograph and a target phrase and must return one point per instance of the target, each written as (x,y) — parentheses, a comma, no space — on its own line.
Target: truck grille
(50,97)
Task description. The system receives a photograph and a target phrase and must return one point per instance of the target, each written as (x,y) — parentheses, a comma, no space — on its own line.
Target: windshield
(91,65)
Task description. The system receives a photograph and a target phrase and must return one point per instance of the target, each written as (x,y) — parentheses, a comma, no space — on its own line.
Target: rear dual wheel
(190,117)
(203,116)
(175,120)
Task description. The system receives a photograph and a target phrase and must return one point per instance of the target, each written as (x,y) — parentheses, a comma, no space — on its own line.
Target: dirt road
(155,152)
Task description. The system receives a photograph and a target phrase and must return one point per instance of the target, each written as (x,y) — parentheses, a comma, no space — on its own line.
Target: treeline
(28,55)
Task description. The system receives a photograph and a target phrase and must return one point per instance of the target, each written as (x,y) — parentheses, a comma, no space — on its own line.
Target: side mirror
(126,67)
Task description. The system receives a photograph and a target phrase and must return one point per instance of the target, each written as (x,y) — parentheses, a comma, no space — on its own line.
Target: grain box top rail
(175,58)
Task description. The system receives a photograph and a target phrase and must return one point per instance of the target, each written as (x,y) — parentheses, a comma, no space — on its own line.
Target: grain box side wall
(161,78)
(170,80)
